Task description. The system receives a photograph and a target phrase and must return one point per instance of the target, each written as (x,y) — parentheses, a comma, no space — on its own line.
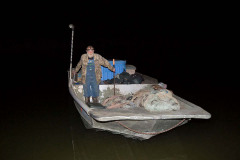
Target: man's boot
(87,100)
(95,99)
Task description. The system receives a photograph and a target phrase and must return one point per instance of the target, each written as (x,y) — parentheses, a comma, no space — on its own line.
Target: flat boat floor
(187,110)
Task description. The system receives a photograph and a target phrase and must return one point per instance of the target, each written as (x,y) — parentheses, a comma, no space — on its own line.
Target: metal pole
(72,27)
(114,76)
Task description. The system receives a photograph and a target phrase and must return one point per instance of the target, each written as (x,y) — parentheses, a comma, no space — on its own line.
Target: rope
(151,133)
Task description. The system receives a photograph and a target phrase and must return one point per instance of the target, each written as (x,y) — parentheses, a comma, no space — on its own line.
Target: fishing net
(153,99)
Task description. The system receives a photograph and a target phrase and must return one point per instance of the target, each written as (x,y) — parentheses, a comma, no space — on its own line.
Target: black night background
(183,44)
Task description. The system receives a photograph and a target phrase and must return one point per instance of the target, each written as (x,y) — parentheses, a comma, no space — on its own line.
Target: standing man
(90,63)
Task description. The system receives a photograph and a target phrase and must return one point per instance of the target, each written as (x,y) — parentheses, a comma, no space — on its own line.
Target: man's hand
(73,72)
(113,69)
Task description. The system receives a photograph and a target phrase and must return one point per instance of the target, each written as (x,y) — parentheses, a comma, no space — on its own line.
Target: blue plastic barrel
(120,66)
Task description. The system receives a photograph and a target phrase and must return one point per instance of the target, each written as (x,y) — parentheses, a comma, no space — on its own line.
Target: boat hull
(137,129)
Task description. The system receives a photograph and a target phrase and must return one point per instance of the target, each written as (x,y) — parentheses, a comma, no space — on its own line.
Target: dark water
(39,121)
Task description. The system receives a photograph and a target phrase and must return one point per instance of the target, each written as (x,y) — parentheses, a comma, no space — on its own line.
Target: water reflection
(48,126)
(198,139)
